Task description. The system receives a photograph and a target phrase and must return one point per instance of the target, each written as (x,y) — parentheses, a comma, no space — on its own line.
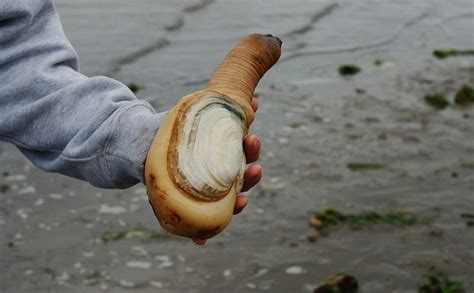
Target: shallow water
(312,123)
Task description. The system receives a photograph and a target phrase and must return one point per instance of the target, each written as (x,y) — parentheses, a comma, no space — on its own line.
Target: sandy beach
(365,142)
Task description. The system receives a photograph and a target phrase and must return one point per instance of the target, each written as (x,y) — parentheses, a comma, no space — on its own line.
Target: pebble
(181,258)
(28,273)
(56,196)
(112,210)
(26,190)
(227,273)
(19,177)
(156,284)
(139,198)
(165,261)
(63,277)
(43,226)
(88,254)
(38,202)
(104,287)
(295,270)
(22,213)
(139,264)
(127,284)
(251,285)
(139,251)
(282,140)
(134,207)
(261,272)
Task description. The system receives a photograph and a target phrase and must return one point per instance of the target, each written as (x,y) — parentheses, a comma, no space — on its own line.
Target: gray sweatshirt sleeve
(93,129)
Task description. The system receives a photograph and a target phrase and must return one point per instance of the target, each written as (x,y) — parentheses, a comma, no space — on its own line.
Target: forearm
(89,128)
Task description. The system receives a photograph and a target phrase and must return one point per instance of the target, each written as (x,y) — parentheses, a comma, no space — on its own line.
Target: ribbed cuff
(128,145)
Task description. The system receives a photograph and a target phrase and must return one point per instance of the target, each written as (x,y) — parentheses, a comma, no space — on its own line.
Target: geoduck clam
(196,163)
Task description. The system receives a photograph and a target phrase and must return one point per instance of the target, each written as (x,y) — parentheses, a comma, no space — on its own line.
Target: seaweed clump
(445,53)
(339,283)
(331,218)
(378,62)
(136,232)
(357,166)
(4,188)
(437,101)
(348,69)
(439,282)
(464,96)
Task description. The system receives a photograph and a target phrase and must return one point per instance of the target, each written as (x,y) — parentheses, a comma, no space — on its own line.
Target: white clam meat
(211,134)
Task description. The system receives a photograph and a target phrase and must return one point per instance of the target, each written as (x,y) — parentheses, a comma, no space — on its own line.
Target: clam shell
(207,155)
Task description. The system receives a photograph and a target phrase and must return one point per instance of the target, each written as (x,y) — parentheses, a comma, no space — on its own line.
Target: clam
(196,163)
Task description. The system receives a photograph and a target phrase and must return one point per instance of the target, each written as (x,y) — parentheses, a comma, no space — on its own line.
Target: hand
(253,173)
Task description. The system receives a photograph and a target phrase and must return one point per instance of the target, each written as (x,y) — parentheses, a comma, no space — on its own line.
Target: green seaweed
(439,282)
(437,101)
(332,217)
(378,62)
(468,165)
(348,69)
(339,283)
(359,166)
(354,136)
(296,125)
(135,232)
(445,53)
(4,188)
(382,136)
(464,96)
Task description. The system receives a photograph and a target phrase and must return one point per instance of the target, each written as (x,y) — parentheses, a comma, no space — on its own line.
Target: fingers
(252,146)
(240,203)
(252,176)
(254,104)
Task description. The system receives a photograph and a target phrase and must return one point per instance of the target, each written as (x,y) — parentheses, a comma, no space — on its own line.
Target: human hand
(253,173)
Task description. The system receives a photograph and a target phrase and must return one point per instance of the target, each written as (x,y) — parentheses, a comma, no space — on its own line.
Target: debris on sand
(136,232)
(4,188)
(378,62)
(339,283)
(464,96)
(468,165)
(133,87)
(469,219)
(445,53)
(439,282)
(331,217)
(359,166)
(348,69)
(437,101)
(295,270)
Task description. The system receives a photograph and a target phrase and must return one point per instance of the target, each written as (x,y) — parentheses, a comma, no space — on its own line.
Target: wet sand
(312,122)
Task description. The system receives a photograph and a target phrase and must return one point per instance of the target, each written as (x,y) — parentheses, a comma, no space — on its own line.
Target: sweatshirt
(90,128)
